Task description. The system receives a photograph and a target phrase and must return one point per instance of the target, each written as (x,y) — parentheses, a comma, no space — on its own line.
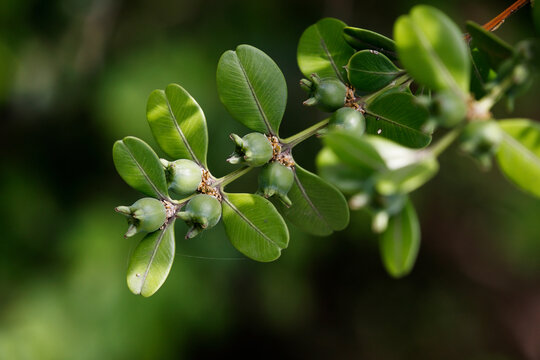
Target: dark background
(75,76)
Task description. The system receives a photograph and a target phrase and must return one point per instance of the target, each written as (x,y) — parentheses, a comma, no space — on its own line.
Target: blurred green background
(75,76)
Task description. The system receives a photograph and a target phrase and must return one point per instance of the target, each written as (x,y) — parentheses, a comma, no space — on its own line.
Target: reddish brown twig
(498,20)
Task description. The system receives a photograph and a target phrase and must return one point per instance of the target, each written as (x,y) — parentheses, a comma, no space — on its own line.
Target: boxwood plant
(385,101)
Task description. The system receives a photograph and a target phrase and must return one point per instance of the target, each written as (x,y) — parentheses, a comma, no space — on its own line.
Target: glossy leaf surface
(139,166)
(323,50)
(432,50)
(400,242)
(398,117)
(496,49)
(254,226)
(362,39)
(178,124)
(481,72)
(317,206)
(346,178)
(394,155)
(151,261)
(355,151)
(408,178)
(370,71)
(252,88)
(519,154)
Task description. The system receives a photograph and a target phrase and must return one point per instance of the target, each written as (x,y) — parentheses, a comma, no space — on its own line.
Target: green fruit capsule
(276,179)
(448,108)
(349,120)
(202,212)
(481,139)
(328,94)
(145,215)
(184,176)
(254,149)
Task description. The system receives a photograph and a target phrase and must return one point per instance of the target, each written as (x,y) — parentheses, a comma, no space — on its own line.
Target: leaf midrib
(308,200)
(250,223)
(154,252)
(398,242)
(376,72)
(144,172)
(180,132)
(436,58)
(382,117)
(522,148)
(328,54)
(254,95)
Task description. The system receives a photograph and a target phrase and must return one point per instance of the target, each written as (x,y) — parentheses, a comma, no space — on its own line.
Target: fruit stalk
(296,139)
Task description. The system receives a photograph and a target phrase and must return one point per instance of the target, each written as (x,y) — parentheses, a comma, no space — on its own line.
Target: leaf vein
(308,200)
(181,133)
(154,252)
(522,149)
(329,55)
(145,174)
(251,224)
(382,117)
(254,95)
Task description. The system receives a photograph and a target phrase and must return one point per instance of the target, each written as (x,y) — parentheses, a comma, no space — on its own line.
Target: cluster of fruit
(203,211)
(376,142)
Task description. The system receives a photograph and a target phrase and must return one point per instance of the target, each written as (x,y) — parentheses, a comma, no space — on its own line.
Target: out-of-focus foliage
(76,75)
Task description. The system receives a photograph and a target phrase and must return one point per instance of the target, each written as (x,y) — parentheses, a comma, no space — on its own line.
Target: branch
(498,20)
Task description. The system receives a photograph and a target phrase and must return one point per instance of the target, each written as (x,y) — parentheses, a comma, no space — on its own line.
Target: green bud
(349,120)
(184,176)
(145,215)
(276,179)
(201,213)
(329,94)
(253,149)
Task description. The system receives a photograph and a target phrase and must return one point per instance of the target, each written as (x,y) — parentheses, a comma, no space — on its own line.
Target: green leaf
(370,71)
(362,39)
(481,72)
(323,50)
(394,155)
(432,50)
(519,154)
(398,117)
(151,261)
(254,226)
(317,207)
(400,242)
(346,178)
(178,124)
(252,88)
(355,151)
(408,178)
(139,166)
(496,49)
